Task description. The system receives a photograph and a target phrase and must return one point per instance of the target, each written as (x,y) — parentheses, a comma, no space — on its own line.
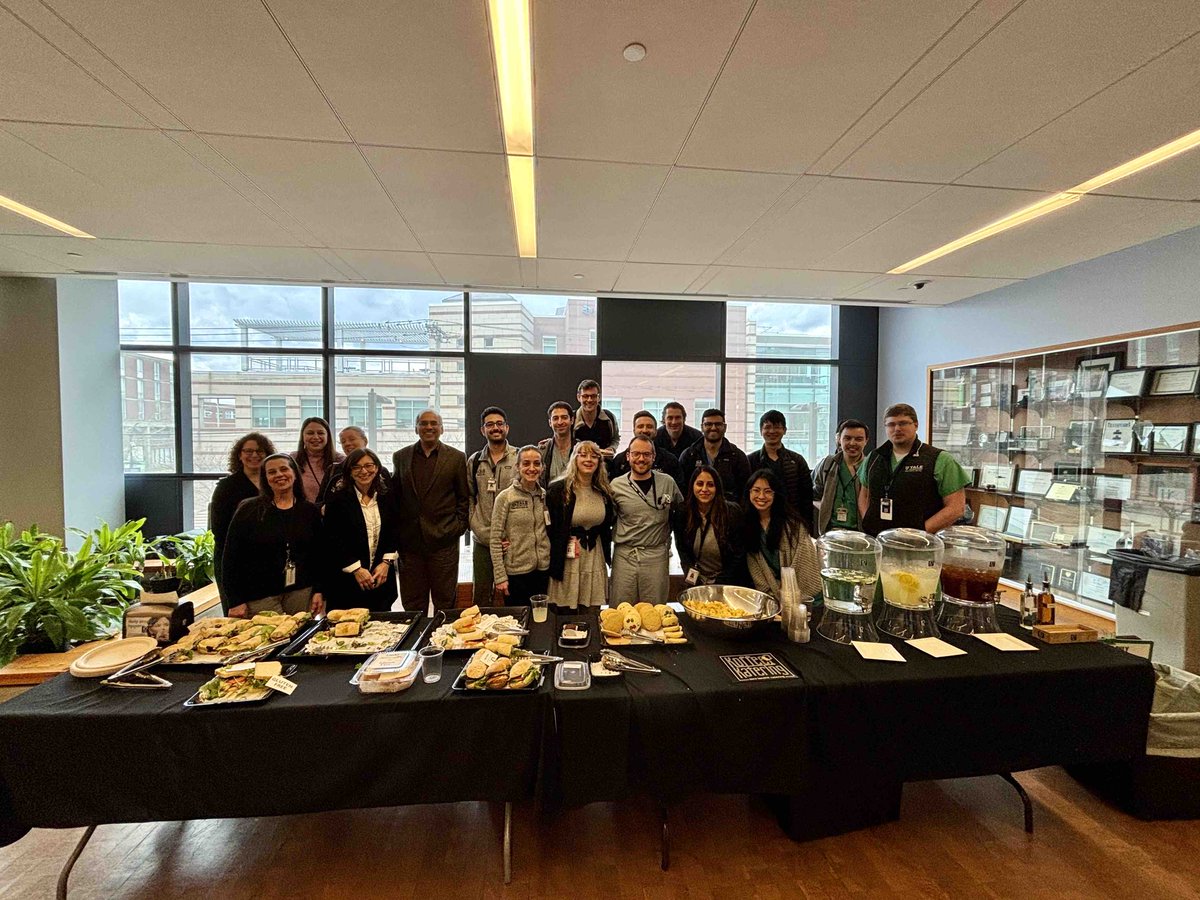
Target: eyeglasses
(589,396)
(761,492)
(364,467)
(640,454)
(250,452)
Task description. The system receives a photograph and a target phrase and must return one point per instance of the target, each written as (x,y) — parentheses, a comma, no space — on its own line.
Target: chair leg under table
(61,891)
(508,842)
(1025,801)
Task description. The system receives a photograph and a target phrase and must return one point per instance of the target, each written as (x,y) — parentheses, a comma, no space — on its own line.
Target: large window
(780,330)
(532,323)
(801,392)
(628,387)
(253,315)
(386,319)
(148,411)
(145,312)
(399,388)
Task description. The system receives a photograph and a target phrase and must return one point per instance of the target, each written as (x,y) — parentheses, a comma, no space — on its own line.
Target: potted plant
(190,558)
(51,597)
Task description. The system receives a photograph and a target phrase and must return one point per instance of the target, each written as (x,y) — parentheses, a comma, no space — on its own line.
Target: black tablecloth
(693,729)
(74,753)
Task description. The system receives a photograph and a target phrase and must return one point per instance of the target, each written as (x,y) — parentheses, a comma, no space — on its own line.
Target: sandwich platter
(473,628)
(214,640)
(491,673)
(241,683)
(351,632)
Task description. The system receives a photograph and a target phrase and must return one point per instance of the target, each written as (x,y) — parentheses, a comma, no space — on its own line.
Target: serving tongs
(535,657)
(135,676)
(616,662)
(257,652)
(506,629)
(641,636)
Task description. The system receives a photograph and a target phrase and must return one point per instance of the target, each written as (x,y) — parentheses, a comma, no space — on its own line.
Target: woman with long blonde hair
(582,514)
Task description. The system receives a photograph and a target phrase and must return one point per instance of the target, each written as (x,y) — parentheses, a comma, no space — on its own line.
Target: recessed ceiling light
(578,275)
(73,253)
(1058,201)
(30,213)
(634,52)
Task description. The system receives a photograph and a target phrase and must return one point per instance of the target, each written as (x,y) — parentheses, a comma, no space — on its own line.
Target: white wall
(1152,285)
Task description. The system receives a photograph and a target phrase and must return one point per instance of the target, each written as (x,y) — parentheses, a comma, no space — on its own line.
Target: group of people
(568,516)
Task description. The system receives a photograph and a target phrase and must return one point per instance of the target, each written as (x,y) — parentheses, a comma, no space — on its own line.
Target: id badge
(692,576)
(289,574)
(842,514)
(546,513)
(571,548)
(491,486)
(885,509)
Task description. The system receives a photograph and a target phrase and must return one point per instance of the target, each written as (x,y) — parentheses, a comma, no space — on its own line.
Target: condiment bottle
(1028,605)
(1045,603)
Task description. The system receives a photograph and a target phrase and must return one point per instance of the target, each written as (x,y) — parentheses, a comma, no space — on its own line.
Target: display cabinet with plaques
(1077,450)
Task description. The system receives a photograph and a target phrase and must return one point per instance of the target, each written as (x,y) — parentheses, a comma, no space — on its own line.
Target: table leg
(507,842)
(1007,776)
(665,858)
(61,891)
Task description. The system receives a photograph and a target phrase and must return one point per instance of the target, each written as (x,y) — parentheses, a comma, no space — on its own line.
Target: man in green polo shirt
(835,479)
(908,484)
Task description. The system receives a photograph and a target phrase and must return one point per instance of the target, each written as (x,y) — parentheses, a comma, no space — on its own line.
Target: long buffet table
(833,745)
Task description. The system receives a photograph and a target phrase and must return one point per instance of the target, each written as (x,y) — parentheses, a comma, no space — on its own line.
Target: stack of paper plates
(111,657)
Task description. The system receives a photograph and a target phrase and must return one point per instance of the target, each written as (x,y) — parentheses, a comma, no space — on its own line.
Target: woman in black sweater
(362,537)
(709,533)
(243,482)
(273,552)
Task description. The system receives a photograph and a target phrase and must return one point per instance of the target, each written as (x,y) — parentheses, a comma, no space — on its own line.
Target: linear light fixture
(1058,201)
(30,213)
(512,48)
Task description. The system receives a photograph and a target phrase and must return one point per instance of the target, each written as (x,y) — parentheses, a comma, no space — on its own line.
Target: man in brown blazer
(430,485)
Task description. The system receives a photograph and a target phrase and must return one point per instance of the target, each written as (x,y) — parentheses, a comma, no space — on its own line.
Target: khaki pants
(639,573)
(289,602)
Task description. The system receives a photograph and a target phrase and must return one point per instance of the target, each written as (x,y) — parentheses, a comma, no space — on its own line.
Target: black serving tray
(460,684)
(294,652)
(520,613)
(194,702)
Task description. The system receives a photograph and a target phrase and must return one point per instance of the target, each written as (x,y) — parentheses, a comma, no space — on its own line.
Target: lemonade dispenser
(849,572)
(971,566)
(909,571)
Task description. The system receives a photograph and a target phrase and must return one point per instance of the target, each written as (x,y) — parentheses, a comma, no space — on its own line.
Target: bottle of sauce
(1029,599)
(1045,603)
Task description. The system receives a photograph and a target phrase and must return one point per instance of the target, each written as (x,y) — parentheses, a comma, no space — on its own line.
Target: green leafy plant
(193,558)
(50,595)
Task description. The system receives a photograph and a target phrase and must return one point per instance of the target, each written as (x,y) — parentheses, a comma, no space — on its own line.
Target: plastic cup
(431,663)
(540,604)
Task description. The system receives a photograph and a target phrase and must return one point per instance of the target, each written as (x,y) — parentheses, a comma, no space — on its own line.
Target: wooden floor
(955,839)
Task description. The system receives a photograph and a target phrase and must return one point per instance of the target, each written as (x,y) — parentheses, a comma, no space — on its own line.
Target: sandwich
(500,649)
(522,674)
(510,639)
(347,629)
(472,637)
(461,625)
(335,615)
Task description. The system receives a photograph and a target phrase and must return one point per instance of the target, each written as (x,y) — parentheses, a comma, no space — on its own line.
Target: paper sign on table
(879,651)
(935,647)
(1004,641)
(281,684)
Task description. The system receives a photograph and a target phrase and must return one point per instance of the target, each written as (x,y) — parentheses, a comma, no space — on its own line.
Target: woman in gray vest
(519,542)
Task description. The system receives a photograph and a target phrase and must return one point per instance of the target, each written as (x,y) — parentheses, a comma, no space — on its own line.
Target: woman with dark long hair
(315,458)
(362,536)
(243,482)
(273,552)
(709,534)
(582,514)
(777,538)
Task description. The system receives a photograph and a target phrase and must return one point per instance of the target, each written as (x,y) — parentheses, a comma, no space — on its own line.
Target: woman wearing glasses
(243,482)
(777,538)
(582,514)
(362,536)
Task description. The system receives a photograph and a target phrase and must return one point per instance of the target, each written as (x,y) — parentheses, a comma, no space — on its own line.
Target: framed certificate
(1034,481)
(1169,382)
(1019,520)
(1196,439)
(1044,532)
(1091,376)
(1171,438)
(1117,436)
(1061,490)
(996,476)
(1037,432)
(1102,539)
(960,434)
(1113,487)
(1066,579)
(1094,587)
(992,517)
(1128,383)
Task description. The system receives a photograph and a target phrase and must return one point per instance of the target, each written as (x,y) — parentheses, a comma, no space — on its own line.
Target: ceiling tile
(943,216)
(328,187)
(1089,228)
(559,274)
(1154,105)
(656,278)
(383,267)
(797,79)
(454,202)
(593,104)
(216,260)
(832,213)
(590,210)
(18,262)
(91,256)
(478,271)
(1037,64)
(701,212)
(791,283)
(117,182)
(939,291)
(405,74)
(219,66)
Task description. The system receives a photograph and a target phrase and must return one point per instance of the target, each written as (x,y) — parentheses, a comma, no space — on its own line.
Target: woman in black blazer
(244,481)
(362,537)
(709,533)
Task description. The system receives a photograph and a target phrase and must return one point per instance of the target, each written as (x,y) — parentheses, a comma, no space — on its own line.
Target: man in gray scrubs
(642,538)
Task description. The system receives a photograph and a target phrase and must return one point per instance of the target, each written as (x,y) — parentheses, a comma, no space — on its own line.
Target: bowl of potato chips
(729,611)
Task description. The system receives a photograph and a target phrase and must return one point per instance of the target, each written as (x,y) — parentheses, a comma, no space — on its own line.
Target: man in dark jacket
(790,466)
(729,461)
(676,435)
(434,500)
(593,423)
(645,425)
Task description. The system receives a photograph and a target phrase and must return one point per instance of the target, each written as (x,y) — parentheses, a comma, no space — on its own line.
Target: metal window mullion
(327,331)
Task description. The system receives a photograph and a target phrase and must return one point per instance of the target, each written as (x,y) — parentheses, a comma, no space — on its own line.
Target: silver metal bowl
(760,610)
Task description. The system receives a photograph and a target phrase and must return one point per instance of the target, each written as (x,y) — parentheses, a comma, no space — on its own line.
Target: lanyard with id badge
(885,502)
(841,514)
(289,568)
